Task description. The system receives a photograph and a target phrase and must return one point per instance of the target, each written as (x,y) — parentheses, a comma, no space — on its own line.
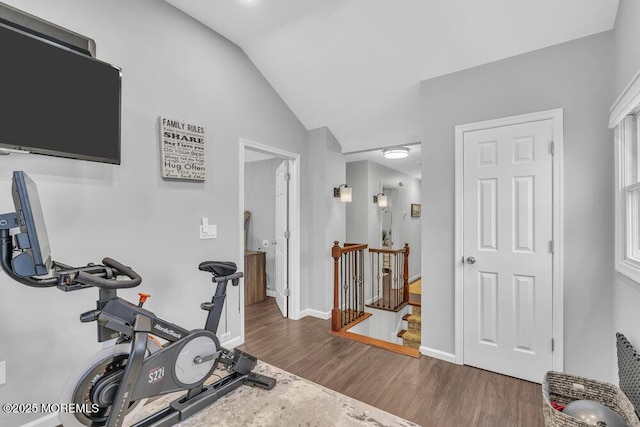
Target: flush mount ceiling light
(396,153)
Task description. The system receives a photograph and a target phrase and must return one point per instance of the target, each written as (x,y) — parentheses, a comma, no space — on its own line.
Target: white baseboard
(414,278)
(324,315)
(438,354)
(50,420)
(271,294)
(232,343)
(372,299)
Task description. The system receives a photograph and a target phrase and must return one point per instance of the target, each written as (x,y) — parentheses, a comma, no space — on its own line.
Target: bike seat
(218,268)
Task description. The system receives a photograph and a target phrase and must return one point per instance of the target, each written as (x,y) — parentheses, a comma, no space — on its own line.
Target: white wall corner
(439,354)
(324,315)
(233,342)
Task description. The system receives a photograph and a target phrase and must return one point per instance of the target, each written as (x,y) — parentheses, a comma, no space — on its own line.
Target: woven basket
(564,388)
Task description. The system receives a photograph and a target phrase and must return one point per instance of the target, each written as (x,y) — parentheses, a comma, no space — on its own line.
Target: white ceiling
(410,165)
(356,65)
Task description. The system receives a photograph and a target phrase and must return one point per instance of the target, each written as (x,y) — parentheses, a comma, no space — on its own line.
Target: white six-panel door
(508,261)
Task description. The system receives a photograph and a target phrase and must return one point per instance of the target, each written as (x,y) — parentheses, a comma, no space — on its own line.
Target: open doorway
(385,215)
(270,229)
(395,222)
(390,218)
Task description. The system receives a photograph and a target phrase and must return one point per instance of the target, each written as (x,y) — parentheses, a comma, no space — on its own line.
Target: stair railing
(389,278)
(348,284)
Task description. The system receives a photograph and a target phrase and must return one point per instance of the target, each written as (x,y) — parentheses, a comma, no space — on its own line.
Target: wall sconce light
(381,200)
(343,192)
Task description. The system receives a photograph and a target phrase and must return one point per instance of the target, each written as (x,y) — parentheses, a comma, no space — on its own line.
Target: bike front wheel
(90,390)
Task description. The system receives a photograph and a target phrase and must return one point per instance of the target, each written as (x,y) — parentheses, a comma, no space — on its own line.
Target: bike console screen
(32,241)
(26,256)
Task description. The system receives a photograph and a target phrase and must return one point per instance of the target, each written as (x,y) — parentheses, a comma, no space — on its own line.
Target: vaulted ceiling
(356,65)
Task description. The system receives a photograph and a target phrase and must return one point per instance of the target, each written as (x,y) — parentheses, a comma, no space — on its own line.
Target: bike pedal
(262,381)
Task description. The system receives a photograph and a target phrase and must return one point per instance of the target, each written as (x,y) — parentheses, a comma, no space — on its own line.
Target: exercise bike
(118,378)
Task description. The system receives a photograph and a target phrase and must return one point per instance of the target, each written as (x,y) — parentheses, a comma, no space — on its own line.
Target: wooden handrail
(390,251)
(352,247)
(349,279)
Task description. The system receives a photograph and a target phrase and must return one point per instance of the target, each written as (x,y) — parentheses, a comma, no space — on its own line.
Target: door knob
(470,260)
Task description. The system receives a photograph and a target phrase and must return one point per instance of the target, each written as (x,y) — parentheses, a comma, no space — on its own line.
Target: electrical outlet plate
(226,336)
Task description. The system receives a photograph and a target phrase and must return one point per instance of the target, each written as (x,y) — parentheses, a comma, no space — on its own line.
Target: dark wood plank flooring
(426,391)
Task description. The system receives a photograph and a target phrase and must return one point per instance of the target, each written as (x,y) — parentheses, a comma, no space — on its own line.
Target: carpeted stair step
(410,338)
(416,310)
(414,322)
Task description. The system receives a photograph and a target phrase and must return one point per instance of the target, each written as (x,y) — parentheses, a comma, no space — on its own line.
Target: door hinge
(287,177)
(287,292)
(551,246)
(553,148)
(287,234)
(553,344)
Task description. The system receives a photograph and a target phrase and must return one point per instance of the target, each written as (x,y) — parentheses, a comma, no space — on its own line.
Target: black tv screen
(57,101)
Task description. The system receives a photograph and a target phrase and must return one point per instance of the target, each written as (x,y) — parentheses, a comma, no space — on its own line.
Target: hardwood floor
(426,391)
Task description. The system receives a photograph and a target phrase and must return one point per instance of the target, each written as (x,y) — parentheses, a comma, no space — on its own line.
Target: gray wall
(358,209)
(327,216)
(260,200)
(174,66)
(627,49)
(626,304)
(578,77)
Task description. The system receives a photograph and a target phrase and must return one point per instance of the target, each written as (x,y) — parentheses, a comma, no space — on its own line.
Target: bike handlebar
(100,282)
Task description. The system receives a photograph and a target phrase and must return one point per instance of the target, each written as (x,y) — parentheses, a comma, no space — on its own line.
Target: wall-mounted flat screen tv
(56,101)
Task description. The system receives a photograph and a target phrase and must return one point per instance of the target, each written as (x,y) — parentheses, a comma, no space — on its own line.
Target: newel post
(406,272)
(336,322)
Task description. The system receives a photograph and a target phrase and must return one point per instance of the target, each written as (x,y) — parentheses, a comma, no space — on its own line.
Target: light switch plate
(209,231)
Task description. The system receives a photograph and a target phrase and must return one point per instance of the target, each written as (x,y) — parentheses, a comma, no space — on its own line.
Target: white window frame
(624,120)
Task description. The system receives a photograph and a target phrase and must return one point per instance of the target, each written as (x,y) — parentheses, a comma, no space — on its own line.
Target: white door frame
(395,213)
(294,220)
(556,116)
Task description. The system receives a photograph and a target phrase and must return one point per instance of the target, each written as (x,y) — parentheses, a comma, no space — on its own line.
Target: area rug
(294,401)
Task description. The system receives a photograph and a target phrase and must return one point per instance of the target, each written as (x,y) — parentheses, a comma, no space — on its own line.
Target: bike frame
(153,375)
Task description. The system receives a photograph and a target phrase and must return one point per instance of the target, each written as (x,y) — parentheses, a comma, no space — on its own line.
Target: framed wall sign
(183,150)
(416,210)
